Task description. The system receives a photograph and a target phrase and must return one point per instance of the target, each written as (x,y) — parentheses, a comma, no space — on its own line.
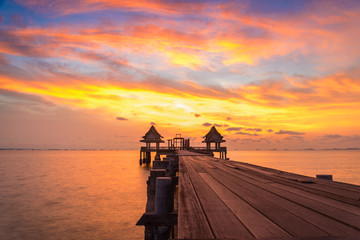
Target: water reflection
(71,194)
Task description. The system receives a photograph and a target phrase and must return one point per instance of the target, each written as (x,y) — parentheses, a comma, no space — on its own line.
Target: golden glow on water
(71,195)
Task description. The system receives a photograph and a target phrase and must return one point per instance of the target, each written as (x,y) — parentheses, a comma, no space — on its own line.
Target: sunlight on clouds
(161,107)
(184,59)
(186,64)
(238,53)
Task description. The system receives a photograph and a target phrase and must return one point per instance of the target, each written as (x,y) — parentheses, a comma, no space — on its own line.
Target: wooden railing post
(163,205)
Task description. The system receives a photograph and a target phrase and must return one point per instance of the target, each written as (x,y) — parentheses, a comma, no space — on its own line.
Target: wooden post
(150,204)
(163,196)
(140,158)
(324,176)
(160,164)
(148,157)
(144,157)
(163,205)
(171,167)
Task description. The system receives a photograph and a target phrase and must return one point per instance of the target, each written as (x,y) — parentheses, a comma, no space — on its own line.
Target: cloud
(84,6)
(197,115)
(354,138)
(253,129)
(248,134)
(294,138)
(86,46)
(289,132)
(220,125)
(16,20)
(234,129)
(121,118)
(270,130)
(17,44)
(250,39)
(206,124)
(20,99)
(153,123)
(331,136)
(3,60)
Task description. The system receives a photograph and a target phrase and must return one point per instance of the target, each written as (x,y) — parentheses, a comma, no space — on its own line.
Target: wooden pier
(192,195)
(220,199)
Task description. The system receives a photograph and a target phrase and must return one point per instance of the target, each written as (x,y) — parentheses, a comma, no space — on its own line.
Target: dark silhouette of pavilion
(152,136)
(179,143)
(213,136)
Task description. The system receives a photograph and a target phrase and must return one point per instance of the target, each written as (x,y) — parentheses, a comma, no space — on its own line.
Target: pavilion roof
(213,136)
(152,136)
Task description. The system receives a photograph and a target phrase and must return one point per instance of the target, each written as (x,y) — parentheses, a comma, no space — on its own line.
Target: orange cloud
(331,36)
(247,39)
(80,6)
(277,105)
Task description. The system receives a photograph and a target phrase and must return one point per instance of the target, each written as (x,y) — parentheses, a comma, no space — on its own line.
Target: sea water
(71,195)
(102,194)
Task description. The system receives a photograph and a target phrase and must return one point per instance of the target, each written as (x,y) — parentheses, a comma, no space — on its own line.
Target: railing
(153,148)
(205,149)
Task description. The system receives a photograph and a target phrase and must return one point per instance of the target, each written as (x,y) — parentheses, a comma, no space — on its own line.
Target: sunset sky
(97,73)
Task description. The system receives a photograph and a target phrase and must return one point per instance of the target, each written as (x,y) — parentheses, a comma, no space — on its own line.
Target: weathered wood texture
(221,199)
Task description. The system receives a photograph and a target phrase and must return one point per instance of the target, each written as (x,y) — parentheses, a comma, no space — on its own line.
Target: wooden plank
(318,189)
(327,224)
(340,205)
(292,224)
(257,223)
(326,196)
(322,187)
(294,176)
(223,222)
(338,214)
(192,222)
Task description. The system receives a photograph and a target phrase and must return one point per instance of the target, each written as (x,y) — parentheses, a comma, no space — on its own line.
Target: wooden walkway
(219,199)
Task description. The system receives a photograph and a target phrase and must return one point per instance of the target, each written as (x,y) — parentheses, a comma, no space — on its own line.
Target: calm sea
(344,165)
(102,194)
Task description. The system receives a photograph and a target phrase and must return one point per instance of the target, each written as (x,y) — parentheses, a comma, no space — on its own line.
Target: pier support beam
(148,157)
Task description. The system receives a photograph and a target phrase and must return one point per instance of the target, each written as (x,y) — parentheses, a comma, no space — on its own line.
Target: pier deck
(220,199)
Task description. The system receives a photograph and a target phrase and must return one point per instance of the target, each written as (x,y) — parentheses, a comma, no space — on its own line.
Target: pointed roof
(213,136)
(152,136)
